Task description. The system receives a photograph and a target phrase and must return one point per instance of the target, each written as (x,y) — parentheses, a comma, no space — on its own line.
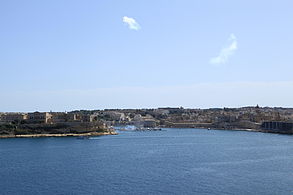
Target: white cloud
(132,24)
(226,51)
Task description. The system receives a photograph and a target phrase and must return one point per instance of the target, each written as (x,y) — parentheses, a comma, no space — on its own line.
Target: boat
(149,129)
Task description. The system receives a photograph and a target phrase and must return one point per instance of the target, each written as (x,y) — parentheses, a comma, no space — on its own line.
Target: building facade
(10,117)
(40,117)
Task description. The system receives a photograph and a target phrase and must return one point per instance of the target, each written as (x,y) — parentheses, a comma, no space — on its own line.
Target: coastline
(90,134)
(237,129)
(59,135)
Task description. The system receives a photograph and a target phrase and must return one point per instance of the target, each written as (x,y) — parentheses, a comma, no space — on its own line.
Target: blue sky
(68,54)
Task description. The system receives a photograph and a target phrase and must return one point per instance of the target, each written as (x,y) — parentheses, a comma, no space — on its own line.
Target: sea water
(171,161)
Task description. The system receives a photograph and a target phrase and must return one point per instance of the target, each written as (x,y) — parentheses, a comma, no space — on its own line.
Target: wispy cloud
(226,51)
(132,24)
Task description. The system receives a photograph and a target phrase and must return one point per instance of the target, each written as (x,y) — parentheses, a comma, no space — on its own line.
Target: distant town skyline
(72,55)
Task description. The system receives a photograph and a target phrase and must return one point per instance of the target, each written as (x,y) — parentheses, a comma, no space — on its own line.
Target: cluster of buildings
(245,117)
(129,118)
(227,118)
(217,115)
(45,117)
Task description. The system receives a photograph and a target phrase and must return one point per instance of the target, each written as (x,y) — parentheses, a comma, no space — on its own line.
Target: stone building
(278,126)
(115,116)
(10,117)
(144,122)
(74,117)
(40,117)
(59,117)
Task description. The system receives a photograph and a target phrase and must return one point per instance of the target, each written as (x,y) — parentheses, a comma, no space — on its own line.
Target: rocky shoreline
(59,135)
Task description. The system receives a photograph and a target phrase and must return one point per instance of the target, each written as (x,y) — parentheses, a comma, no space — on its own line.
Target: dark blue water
(173,161)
